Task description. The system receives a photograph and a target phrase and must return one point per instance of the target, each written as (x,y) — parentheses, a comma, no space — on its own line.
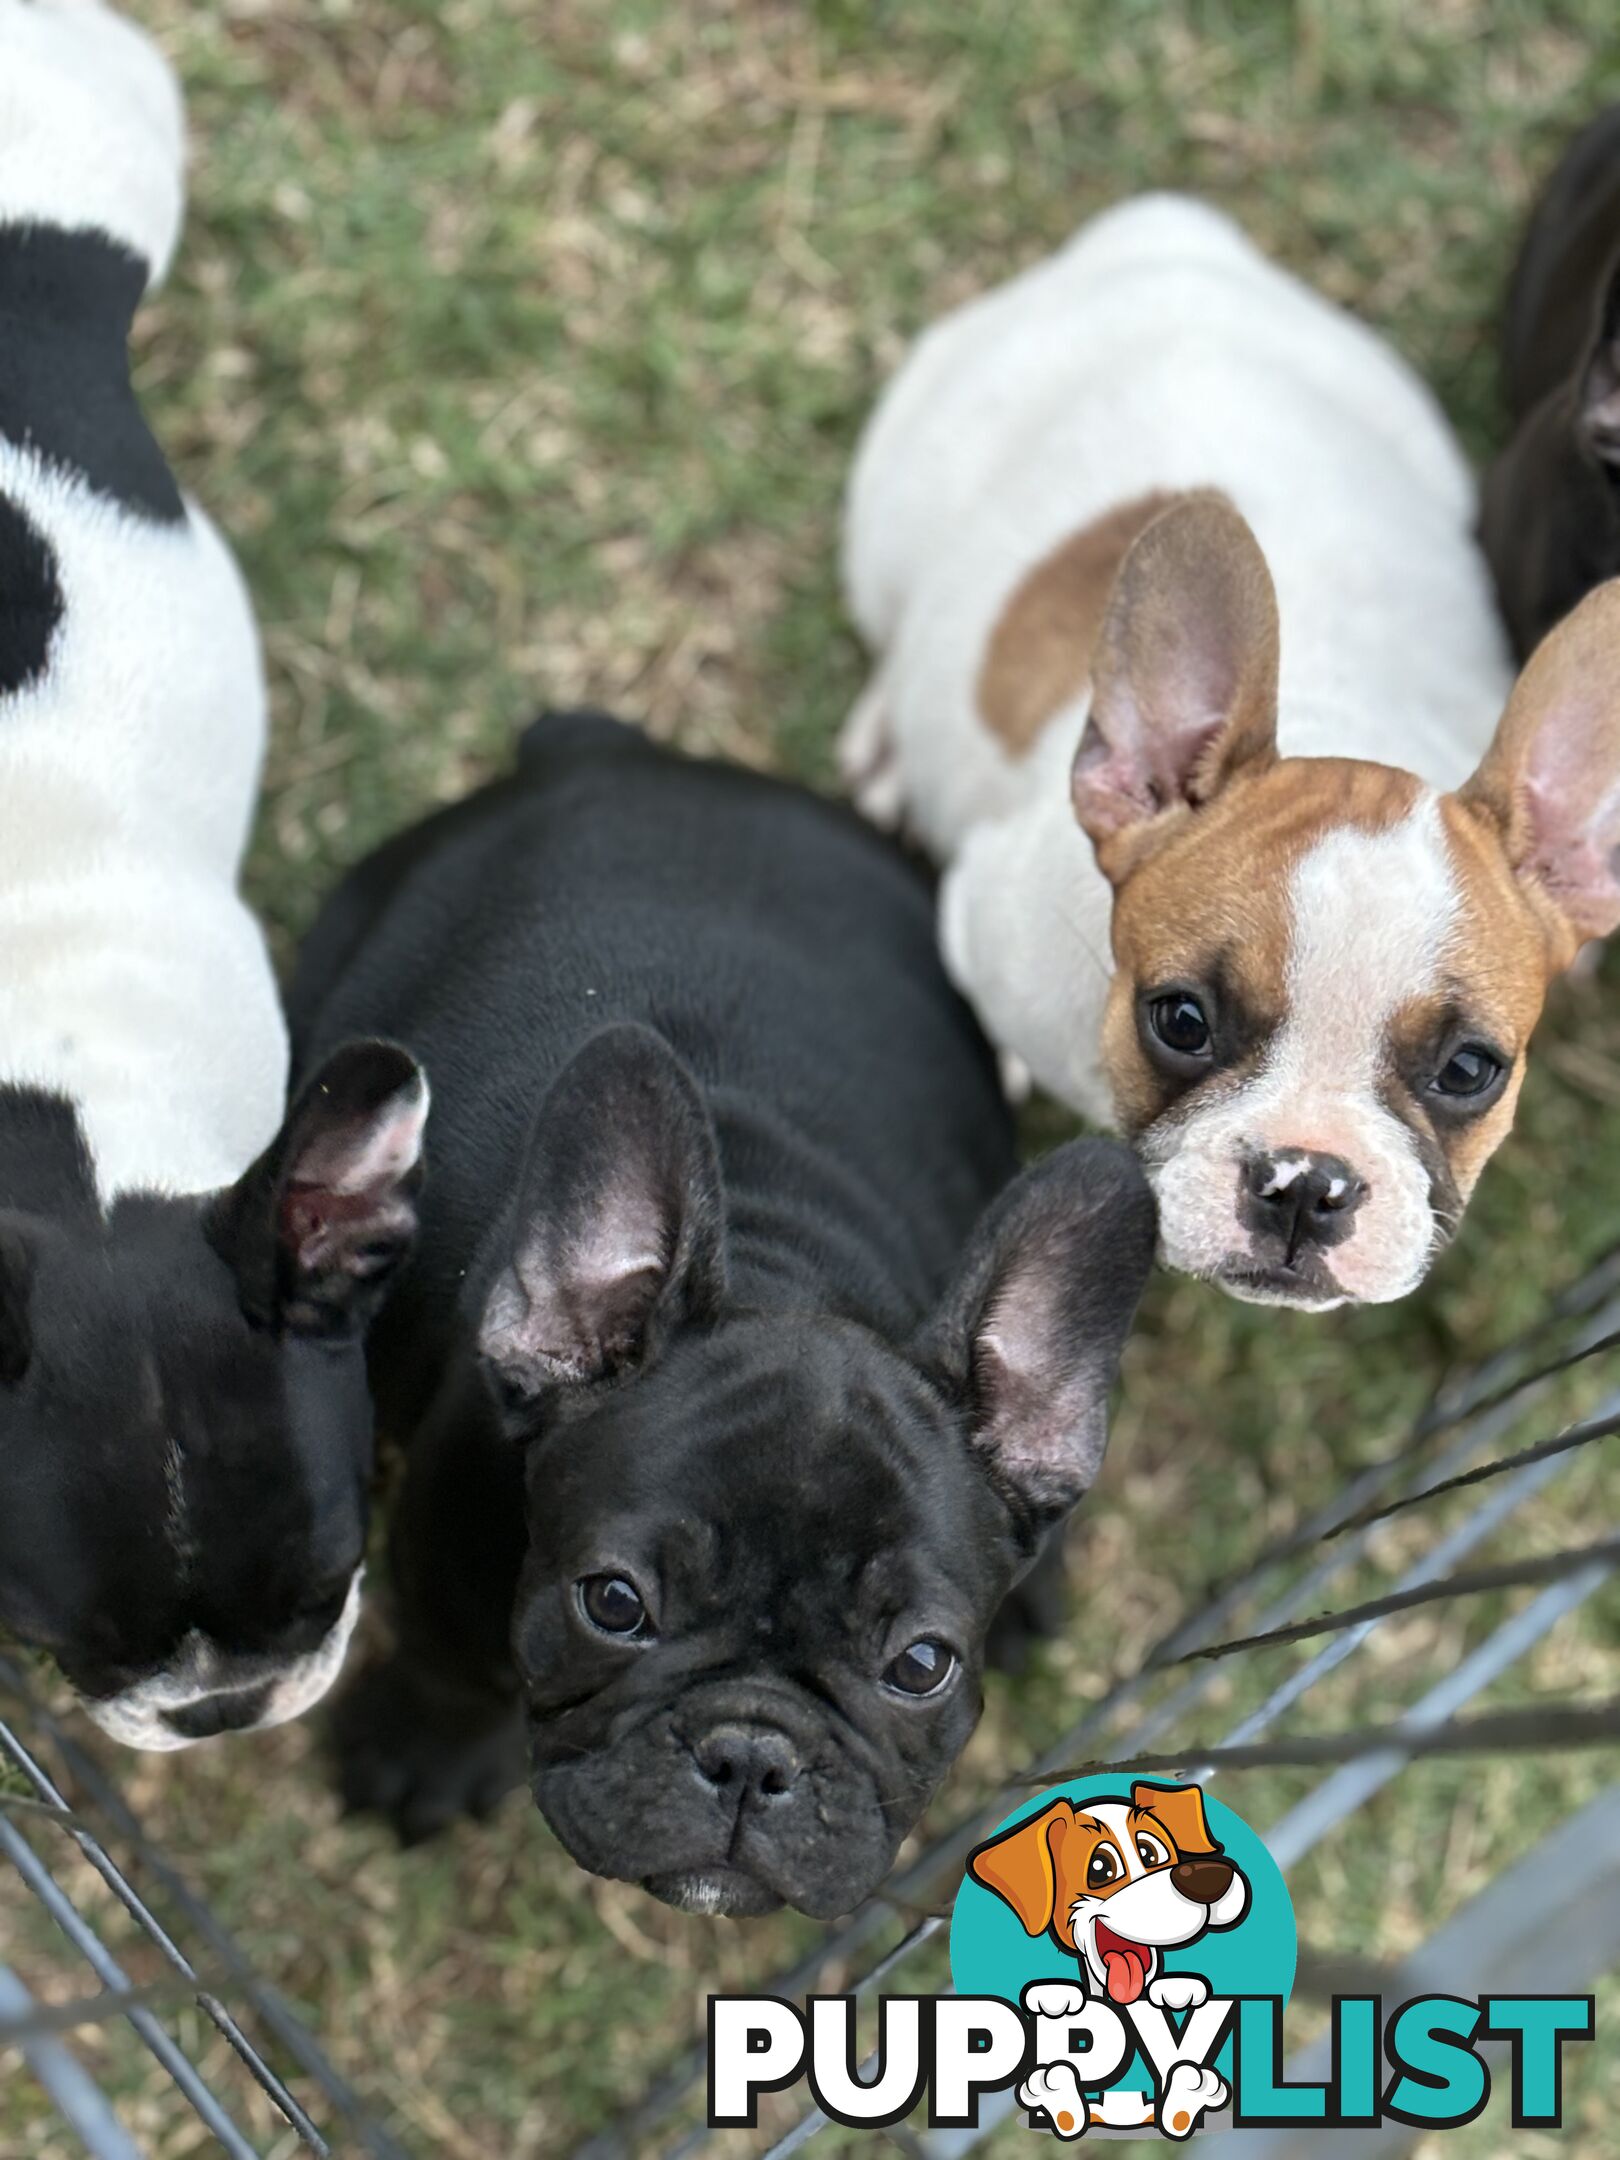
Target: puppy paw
(420,1755)
(1189,2092)
(1054,2091)
(1178,1991)
(1054,1998)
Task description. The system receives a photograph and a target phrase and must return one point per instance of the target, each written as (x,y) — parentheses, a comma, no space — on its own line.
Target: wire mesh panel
(138,1947)
(1280,1671)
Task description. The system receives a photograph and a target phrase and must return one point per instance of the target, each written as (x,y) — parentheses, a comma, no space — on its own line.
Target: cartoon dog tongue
(1125,1963)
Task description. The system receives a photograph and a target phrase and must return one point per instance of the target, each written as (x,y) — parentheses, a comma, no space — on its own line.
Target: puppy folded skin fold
(1550,520)
(185,1434)
(735,1399)
(1186,666)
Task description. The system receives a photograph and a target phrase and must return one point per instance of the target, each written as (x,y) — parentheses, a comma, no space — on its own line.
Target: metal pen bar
(29,2019)
(278,2016)
(138,1909)
(1578,1436)
(1293,1834)
(1512,1575)
(1502,1732)
(112,1975)
(75,2094)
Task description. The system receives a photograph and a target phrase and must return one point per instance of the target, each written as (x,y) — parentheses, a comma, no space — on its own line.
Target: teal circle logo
(1125,1913)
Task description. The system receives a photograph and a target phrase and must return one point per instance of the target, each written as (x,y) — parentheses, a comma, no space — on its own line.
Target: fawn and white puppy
(1186,665)
(185,1428)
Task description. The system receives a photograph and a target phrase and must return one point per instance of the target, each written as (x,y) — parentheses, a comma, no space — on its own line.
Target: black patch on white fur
(30,599)
(67,300)
(45,1166)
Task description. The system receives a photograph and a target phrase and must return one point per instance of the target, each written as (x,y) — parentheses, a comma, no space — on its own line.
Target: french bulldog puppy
(1186,665)
(728,1431)
(1551,515)
(185,1275)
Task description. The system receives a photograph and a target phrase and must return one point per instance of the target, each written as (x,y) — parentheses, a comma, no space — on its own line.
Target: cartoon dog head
(1117,1881)
(1326,973)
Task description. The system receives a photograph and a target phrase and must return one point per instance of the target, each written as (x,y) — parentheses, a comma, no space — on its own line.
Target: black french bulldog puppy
(1551,517)
(728,1432)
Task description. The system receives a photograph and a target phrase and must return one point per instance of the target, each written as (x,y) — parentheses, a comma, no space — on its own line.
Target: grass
(521,351)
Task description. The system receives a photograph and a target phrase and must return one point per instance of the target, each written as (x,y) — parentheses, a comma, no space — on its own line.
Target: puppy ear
(321,1221)
(1598,402)
(619,1232)
(1550,782)
(1184,681)
(16,1286)
(1029,1336)
(1020,1866)
(1179,1812)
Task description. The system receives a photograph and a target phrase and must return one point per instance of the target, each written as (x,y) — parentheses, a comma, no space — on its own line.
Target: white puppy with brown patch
(1186,666)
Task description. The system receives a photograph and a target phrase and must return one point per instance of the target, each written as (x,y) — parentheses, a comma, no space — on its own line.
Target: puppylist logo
(1122,1953)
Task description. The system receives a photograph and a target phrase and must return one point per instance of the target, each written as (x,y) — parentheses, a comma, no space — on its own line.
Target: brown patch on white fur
(1039,656)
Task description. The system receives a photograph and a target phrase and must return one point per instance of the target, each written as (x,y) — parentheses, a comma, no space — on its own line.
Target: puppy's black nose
(1204,1881)
(234,1711)
(747,1762)
(1299,1199)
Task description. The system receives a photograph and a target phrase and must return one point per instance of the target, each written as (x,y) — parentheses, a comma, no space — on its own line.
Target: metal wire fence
(259,2081)
(1453,1457)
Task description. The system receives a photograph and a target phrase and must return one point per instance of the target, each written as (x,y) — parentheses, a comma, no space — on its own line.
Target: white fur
(1157,351)
(137,1716)
(1371,917)
(91,126)
(132,978)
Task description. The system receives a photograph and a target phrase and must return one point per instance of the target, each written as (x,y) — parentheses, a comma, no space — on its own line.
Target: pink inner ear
(319,1224)
(1142,772)
(367,1155)
(1111,789)
(1574,820)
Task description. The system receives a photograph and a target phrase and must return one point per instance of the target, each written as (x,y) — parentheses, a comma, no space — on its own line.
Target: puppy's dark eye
(1179,1023)
(1104,1868)
(922,1668)
(1149,1851)
(1471,1070)
(613,1604)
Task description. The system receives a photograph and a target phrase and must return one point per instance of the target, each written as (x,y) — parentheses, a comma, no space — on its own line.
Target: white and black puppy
(185,1431)
(702,1358)
(1187,664)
